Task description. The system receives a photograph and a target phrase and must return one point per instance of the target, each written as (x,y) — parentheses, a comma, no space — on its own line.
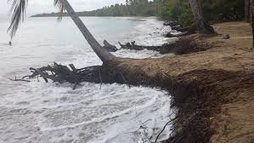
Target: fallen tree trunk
(163,49)
(182,46)
(133,46)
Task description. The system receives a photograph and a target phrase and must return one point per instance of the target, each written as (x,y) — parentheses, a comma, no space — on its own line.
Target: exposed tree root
(60,73)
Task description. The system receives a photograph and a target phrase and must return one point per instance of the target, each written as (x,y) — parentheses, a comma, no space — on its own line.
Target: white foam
(106,114)
(93,113)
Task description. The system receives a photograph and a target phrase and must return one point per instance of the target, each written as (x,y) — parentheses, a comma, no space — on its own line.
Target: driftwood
(184,31)
(170,34)
(163,49)
(109,47)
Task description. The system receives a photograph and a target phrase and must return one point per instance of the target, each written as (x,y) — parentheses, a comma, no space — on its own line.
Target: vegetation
(179,10)
(223,10)
(214,10)
(130,8)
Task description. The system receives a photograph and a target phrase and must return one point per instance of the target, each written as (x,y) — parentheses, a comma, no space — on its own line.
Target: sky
(46,6)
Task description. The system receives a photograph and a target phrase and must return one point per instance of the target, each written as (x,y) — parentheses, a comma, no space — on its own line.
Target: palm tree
(18,12)
(202,24)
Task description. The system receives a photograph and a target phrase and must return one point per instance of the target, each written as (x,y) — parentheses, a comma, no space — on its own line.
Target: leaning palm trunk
(202,24)
(101,53)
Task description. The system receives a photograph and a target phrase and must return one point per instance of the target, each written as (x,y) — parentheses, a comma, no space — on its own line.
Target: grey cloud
(40,6)
(37,6)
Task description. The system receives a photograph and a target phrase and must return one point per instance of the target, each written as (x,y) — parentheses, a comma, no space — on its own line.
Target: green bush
(214,10)
(223,10)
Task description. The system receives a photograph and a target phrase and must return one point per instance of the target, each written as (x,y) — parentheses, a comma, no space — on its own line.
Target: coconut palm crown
(17,12)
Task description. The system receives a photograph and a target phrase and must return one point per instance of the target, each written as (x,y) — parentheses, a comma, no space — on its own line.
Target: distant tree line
(130,8)
(179,10)
(213,10)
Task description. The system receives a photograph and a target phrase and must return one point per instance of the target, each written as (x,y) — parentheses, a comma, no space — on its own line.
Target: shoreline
(212,89)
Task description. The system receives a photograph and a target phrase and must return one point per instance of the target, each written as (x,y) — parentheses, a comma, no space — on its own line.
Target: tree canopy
(214,10)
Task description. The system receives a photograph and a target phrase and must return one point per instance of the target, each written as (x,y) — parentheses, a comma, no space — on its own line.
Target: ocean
(42,112)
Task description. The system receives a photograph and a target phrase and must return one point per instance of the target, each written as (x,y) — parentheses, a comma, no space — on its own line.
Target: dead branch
(16,79)
(164,129)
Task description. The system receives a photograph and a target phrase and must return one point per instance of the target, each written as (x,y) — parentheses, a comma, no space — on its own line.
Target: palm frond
(58,4)
(17,13)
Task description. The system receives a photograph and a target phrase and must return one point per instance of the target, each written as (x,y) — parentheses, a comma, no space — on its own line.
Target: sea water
(40,112)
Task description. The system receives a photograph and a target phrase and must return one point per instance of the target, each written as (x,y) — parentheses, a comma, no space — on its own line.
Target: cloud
(3,7)
(46,6)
